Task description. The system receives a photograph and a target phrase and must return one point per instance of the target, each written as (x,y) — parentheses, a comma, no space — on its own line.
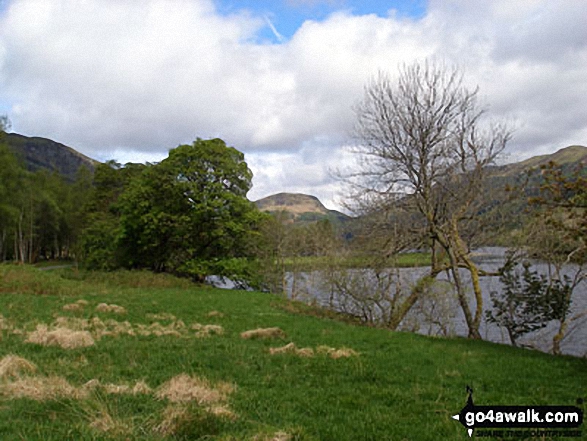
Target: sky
(278,79)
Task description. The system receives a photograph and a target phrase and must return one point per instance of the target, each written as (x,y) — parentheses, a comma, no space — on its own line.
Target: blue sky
(278,80)
(286,16)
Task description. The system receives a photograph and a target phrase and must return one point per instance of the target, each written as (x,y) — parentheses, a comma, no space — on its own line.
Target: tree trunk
(400,313)
(473,270)
(556,340)
(461,256)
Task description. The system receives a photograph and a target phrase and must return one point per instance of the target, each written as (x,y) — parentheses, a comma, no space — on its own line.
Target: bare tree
(423,144)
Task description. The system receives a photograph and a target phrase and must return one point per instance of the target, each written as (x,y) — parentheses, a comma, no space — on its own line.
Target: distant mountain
(568,156)
(299,208)
(41,153)
(502,212)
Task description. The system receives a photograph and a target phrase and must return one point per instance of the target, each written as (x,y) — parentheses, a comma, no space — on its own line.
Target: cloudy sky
(277,79)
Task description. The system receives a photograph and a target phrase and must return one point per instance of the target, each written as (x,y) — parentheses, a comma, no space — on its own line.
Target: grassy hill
(300,208)
(132,355)
(566,156)
(506,212)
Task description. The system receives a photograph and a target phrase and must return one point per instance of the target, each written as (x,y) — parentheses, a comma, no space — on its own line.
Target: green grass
(401,387)
(314,263)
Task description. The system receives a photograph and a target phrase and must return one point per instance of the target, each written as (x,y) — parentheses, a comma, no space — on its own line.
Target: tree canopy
(184,214)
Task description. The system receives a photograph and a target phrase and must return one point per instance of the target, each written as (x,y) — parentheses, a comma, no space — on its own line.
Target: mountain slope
(565,157)
(299,207)
(503,212)
(41,153)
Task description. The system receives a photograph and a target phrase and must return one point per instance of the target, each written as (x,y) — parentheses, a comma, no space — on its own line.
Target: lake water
(447,317)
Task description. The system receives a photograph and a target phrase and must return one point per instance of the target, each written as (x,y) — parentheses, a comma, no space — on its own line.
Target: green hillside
(137,356)
(300,208)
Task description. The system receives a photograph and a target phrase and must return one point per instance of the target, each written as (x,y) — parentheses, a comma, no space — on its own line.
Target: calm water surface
(310,287)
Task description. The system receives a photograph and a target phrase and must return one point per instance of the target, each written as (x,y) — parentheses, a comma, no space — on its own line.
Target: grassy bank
(170,363)
(313,263)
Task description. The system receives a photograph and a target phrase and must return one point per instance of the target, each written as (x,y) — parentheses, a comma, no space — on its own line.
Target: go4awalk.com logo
(563,421)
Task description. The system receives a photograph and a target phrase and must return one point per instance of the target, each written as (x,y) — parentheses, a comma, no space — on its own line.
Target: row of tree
(40,213)
(187,215)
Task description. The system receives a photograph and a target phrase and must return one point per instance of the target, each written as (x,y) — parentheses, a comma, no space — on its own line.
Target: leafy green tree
(522,305)
(12,176)
(101,215)
(557,235)
(189,213)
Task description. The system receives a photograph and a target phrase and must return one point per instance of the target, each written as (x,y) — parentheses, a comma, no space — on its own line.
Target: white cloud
(133,79)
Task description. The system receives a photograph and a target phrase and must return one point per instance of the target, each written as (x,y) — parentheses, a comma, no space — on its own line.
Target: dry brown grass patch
(178,415)
(292,349)
(184,388)
(42,388)
(263,333)
(176,329)
(337,353)
(104,307)
(140,387)
(71,332)
(73,307)
(102,421)
(215,314)
(63,337)
(207,330)
(161,316)
(12,366)
(174,416)
(277,436)
(105,423)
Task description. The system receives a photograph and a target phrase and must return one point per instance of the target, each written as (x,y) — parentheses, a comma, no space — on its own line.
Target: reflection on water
(443,315)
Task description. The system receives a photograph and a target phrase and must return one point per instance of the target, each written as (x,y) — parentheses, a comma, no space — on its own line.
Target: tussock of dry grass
(174,416)
(277,436)
(12,366)
(105,423)
(292,349)
(7,325)
(161,316)
(63,337)
(207,330)
(281,436)
(92,384)
(215,314)
(263,333)
(97,328)
(73,307)
(77,306)
(176,329)
(104,307)
(177,415)
(337,353)
(221,411)
(42,388)
(184,388)
(140,387)
(101,421)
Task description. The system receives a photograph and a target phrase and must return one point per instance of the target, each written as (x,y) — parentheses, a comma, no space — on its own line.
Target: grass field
(136,356)
(313,263)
